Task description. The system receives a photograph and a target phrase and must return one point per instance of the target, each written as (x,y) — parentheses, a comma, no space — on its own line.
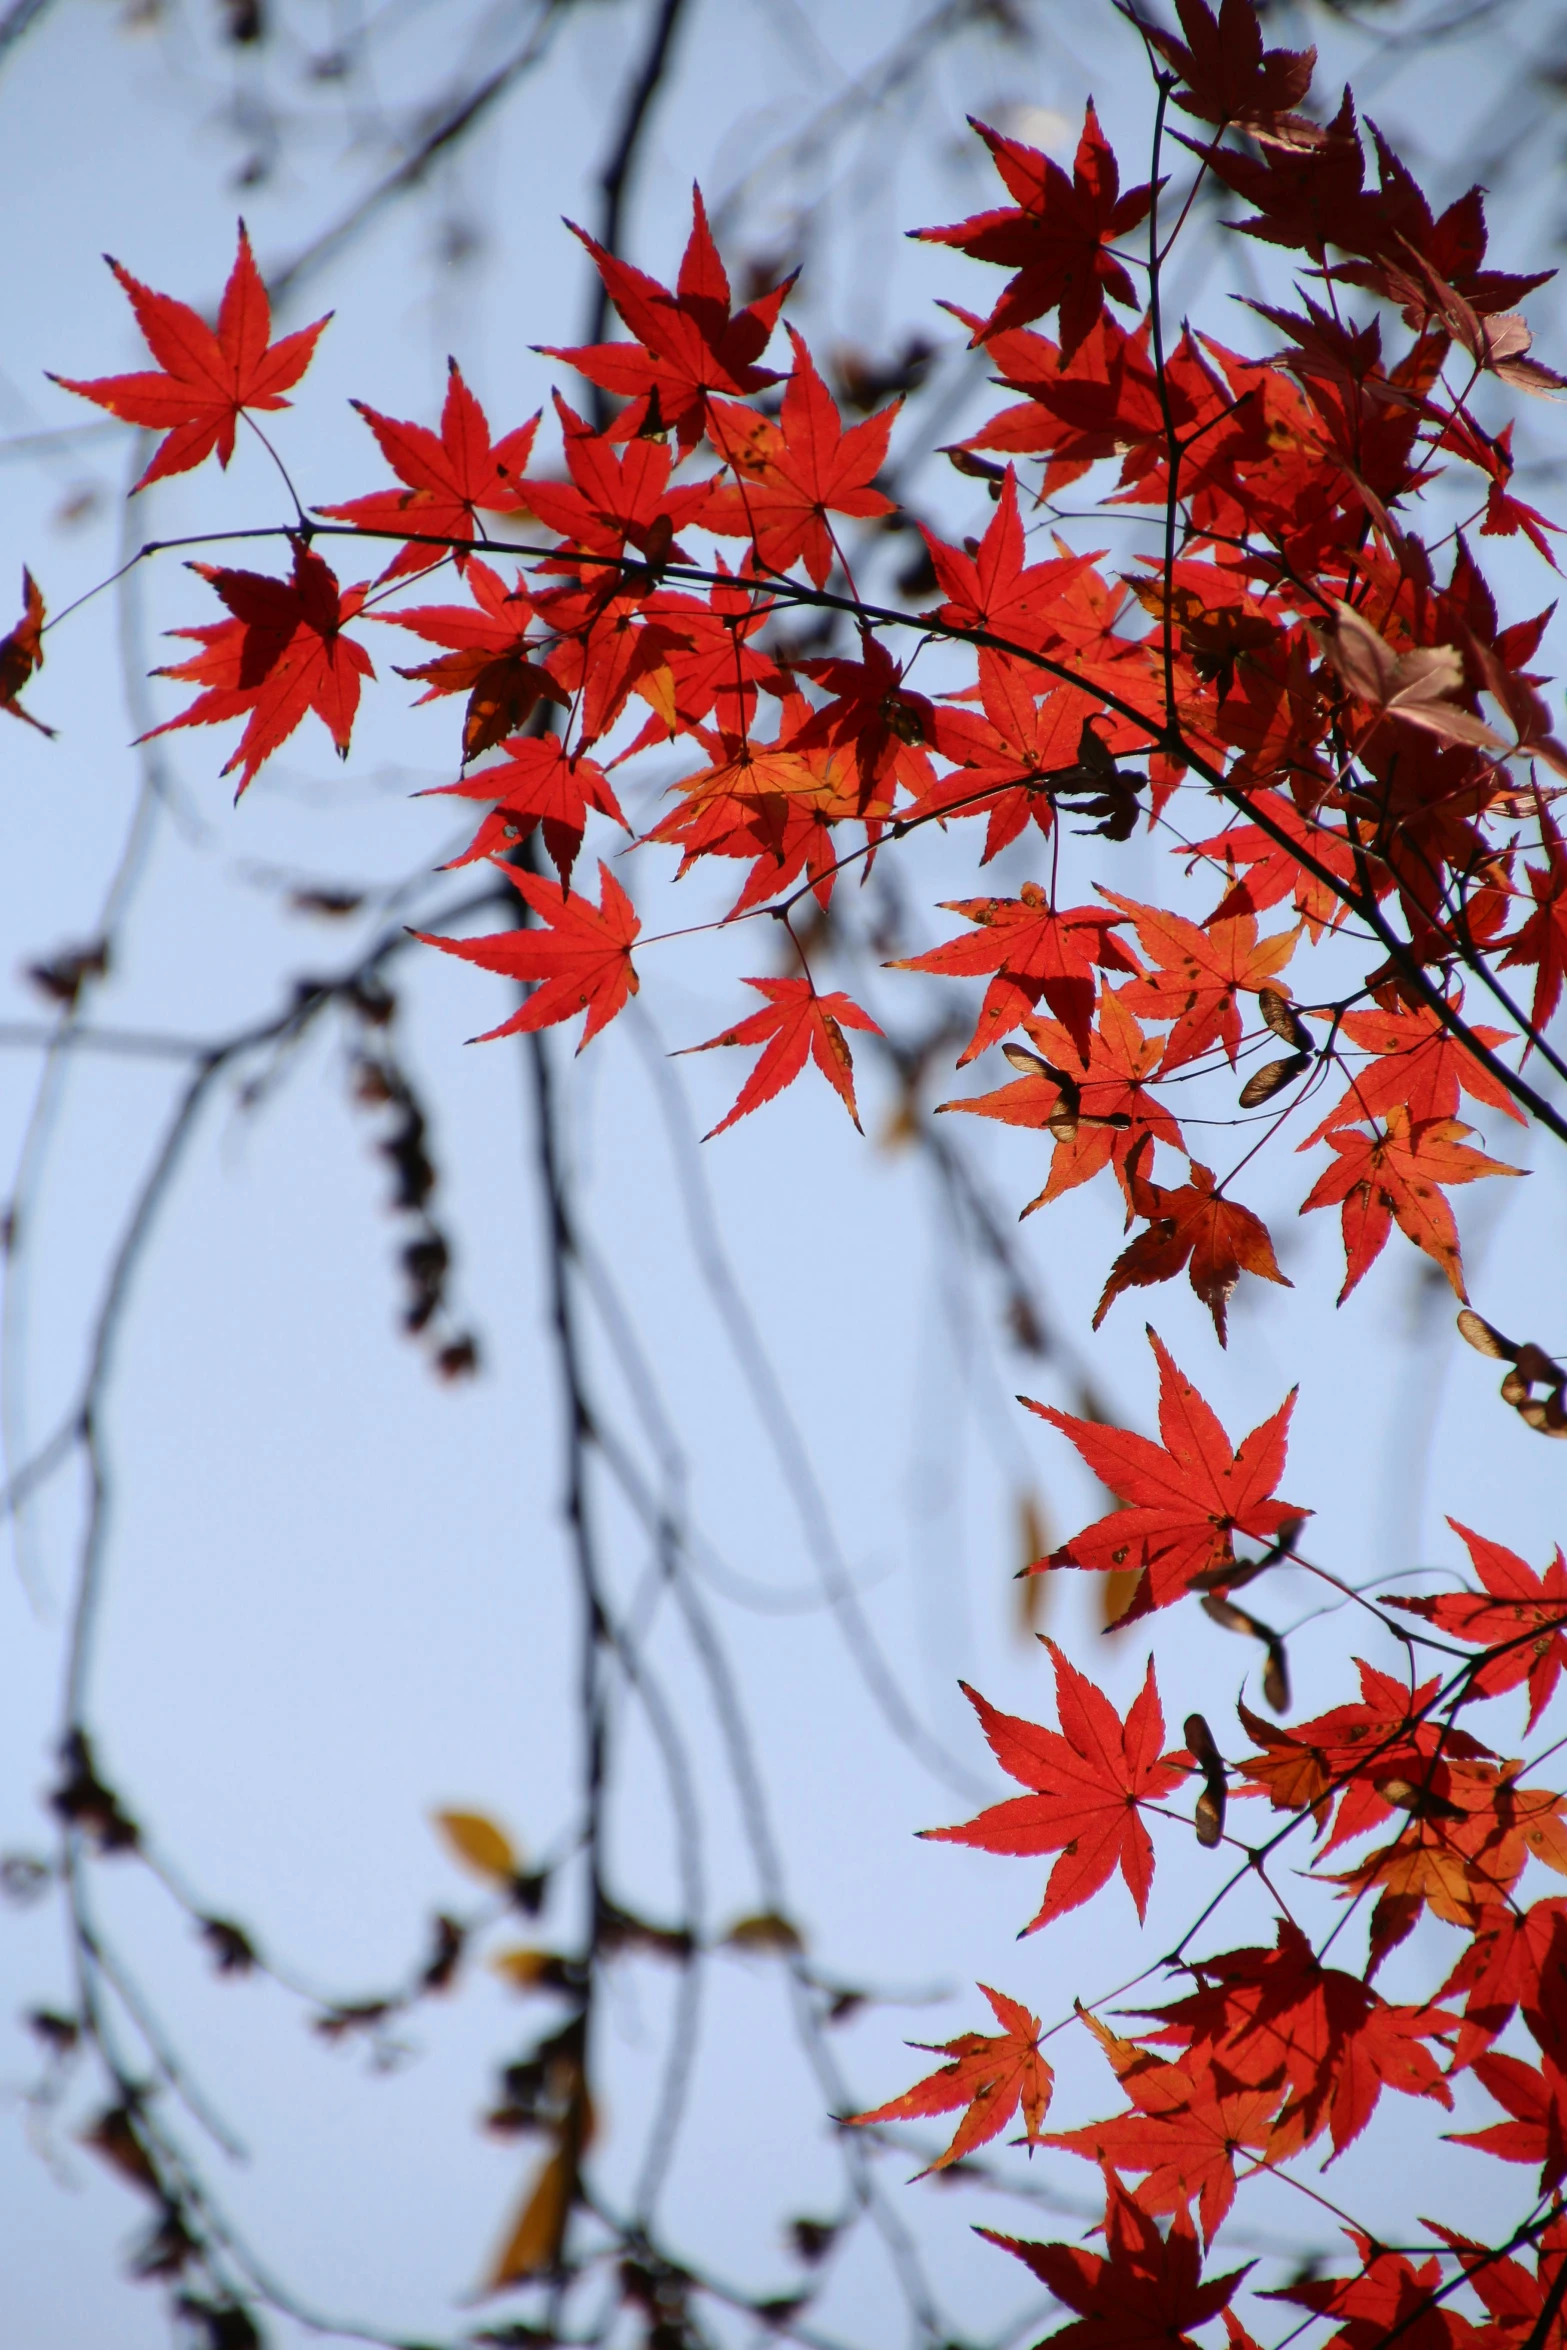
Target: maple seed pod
(1209,1815)
(1276,1677)
(1484,1339)
(1271,1078)
(1281,1016)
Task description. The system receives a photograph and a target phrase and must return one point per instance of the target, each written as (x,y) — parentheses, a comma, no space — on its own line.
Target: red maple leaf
(715,665)
(1185,1500)
(284,653)
(537,783)
(1229,77)
(451,476)
(488,657)
(873,714)
(1200,971)
(990,2073)
(1521,1615)
(1279,2015)
(773,802)
(1420,1065)
(1536,2097)
(1056,236)
(1542,939)
(1516,1959)
(1088,1779)
(688,346)
(790,476)
(1348,1756)
(1100,1116)
(1271,873)
(580,961)
(991,587)
(616,498)
(1514,2295)
(1187,2124)
(1144,2293)
(1399,1173)
(1035,949)
(205,380)
(1195,1226)
(797,1022)
(1006,761)
(1387,2295)
(22,652)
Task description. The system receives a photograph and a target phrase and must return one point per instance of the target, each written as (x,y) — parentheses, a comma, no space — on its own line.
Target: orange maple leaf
(581,961)
(1101,1111)
(1185,1499)
(992,2073)
(206,379)
(1201,970)
(797,1022)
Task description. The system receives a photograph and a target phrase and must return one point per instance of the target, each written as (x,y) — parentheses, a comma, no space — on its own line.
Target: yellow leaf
(534,2246)
(524,1969)
(479,1843)
(764,1932)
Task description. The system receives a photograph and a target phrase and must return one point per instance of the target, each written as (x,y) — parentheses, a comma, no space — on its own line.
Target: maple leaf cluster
(1298,656)
(1323,718)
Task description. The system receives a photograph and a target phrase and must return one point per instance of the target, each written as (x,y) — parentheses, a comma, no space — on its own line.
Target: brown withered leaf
(1481,1336)
(765,1933)
(231,1950)
(22,652)
(1507,341)
(116,2136)
(1416,686)
(530,1969)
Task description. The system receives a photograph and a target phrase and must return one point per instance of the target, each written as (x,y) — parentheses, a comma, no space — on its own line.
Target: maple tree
(1286,653)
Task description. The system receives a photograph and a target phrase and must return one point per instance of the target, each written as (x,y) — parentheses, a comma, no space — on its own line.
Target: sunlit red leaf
(205,379)
(993,2075)
(580,960)
(1088,1779)
(1185,1500)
